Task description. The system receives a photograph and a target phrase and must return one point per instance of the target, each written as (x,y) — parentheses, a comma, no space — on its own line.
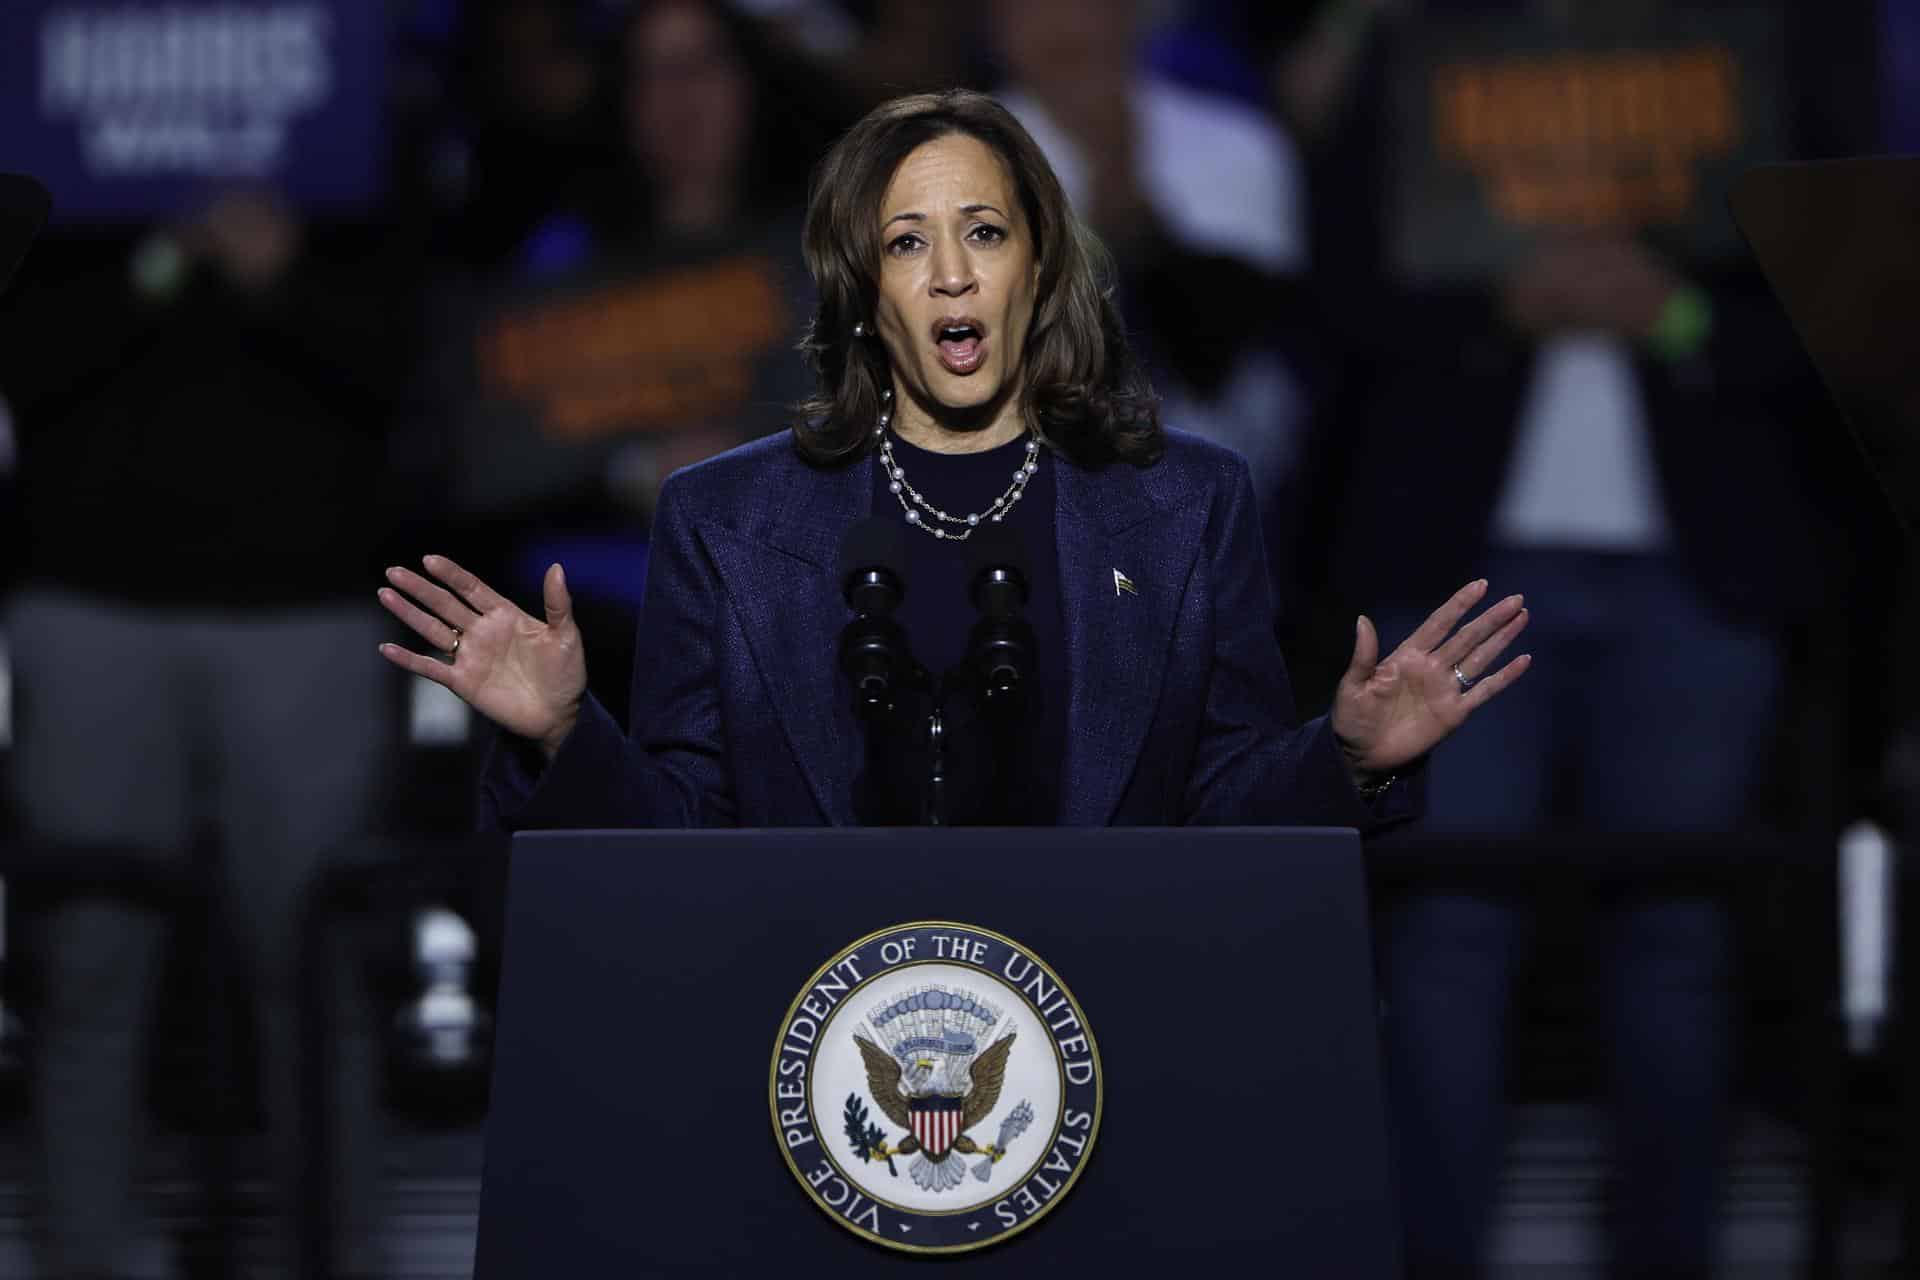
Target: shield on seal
(936,1122)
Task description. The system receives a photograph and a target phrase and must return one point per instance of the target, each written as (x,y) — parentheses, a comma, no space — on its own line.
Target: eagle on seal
(923,1086)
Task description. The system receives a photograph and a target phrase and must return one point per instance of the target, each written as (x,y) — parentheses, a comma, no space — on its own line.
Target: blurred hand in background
(251,237)
(1606,284)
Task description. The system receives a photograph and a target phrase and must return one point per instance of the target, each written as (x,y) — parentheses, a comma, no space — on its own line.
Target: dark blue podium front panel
(1225,973)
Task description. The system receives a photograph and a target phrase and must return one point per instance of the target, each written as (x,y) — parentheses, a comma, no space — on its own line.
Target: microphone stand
(889,689)
(933,806)
(1000,666)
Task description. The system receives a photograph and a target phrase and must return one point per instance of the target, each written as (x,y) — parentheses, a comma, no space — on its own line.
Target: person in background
(1658,720)
(1201,201)
(695,216)
(1617,430)
(1290,64)
(528,85)
(867,52)
(712,160)
(201,411)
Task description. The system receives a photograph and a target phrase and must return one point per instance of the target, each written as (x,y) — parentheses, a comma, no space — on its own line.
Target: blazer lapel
(1117,627)
(781,580)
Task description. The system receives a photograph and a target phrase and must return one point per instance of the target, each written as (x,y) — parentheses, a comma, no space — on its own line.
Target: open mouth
(961,341)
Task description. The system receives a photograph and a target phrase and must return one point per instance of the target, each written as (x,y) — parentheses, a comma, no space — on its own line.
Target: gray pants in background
(143,729)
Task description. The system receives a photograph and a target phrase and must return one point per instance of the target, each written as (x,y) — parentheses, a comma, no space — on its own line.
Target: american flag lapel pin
(1121,582)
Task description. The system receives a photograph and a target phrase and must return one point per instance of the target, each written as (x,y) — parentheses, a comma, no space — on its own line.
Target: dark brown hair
(1081,391)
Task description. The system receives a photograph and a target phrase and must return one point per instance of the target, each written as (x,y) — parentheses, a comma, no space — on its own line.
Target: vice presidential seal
(935,1088)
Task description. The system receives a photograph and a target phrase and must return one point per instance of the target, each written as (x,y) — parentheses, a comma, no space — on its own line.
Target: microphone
(873,647)
(997,571)
(873,560)
(1001,646)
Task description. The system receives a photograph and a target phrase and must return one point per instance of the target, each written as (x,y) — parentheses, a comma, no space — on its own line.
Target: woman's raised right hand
(525,675)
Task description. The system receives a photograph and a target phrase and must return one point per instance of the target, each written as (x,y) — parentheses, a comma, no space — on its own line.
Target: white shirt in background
(1582,475)
(1222,179)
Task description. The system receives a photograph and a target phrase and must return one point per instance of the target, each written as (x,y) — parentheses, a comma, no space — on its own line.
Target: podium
(647,978)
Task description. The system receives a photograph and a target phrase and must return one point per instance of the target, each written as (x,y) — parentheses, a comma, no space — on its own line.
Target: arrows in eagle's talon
(1012,1127)
(994,1155)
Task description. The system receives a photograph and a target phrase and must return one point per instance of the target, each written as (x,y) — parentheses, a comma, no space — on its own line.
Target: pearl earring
(860,329)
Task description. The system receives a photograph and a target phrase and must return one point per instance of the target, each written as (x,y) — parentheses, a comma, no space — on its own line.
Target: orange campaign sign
(652,353)
(1512,129)
(551,382)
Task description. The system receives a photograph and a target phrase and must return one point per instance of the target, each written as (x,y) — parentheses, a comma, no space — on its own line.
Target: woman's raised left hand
(1390,711)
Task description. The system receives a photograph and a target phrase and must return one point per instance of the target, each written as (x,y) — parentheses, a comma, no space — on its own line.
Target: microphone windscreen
(996,546)
(874,543)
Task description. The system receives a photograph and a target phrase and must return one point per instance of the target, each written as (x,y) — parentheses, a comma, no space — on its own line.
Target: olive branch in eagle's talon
(869,1140)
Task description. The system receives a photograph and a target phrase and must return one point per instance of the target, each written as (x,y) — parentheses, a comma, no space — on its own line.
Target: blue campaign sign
(131,109)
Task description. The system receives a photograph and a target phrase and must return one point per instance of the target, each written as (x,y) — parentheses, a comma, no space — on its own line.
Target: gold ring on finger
(453,650)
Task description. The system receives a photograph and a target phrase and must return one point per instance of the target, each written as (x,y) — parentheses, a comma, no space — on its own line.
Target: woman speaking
(974,387)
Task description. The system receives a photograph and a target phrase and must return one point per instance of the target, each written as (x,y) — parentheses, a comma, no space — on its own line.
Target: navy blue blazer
(1179,710)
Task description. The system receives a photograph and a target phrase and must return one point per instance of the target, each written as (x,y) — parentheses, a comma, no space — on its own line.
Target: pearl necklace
(910,497)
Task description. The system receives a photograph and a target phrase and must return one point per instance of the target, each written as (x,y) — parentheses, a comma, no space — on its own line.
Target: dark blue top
(1178,706)
(938,618)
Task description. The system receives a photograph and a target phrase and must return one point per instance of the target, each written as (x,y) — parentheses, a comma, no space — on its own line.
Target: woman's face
(957,275)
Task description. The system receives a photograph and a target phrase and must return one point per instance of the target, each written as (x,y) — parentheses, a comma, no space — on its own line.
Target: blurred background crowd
(1456,276)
